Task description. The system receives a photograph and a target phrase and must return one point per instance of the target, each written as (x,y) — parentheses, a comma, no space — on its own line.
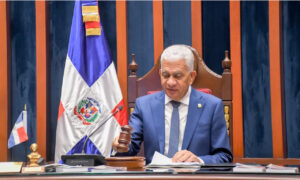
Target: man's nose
(171,81)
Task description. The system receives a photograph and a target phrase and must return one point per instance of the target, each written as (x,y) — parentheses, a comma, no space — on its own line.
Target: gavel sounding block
(135,163)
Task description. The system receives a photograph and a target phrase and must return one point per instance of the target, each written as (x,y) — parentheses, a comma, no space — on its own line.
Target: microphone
(83,159)
(89,134)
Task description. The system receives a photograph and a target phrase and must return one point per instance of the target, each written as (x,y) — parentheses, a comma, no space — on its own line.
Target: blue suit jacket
(205,132)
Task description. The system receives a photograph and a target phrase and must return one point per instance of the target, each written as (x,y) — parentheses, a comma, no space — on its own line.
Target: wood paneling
(158,36)
(41,75)
(196,15)
(275,80)
(235,50)
(121,14)
(5,68)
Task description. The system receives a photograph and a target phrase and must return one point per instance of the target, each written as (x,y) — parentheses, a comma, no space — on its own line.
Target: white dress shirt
(183,111)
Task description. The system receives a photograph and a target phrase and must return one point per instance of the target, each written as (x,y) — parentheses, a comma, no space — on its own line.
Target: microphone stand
(88,159)
(97,127)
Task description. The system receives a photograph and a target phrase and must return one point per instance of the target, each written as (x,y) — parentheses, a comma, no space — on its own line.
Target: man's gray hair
(177,52)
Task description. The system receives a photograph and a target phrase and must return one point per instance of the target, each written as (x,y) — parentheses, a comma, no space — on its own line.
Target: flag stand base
(83,159)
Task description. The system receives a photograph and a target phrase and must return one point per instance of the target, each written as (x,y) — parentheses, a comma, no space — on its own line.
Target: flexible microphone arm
(95,129)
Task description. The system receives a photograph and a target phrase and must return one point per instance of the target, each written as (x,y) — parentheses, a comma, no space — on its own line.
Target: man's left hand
(185,156)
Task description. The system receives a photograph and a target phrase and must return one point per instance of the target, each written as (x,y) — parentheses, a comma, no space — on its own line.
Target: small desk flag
(19,131)
(90,90)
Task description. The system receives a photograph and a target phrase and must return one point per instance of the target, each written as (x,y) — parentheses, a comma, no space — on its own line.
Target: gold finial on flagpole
(25,109)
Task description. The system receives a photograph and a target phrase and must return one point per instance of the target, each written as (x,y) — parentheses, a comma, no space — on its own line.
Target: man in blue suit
(180,122)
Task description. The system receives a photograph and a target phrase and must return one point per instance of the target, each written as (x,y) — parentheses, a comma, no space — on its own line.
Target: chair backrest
(220,85)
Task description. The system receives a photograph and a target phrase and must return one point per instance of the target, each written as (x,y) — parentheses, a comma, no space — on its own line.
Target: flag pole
(26,143)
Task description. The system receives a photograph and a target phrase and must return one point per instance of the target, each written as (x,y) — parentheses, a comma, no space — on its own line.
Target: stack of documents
(71,169)
(248,168)
(62,168)
(272,168)
(106,169)
(161,161)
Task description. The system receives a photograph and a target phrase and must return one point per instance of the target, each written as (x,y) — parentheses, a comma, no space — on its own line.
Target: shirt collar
(185,100)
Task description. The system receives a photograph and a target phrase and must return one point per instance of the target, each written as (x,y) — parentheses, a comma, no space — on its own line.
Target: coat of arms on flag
(90,89)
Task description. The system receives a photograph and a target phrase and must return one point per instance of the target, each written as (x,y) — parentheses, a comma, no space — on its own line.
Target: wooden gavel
(124,139)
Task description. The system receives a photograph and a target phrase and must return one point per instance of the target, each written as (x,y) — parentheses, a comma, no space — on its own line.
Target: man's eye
(166,75)
(178,76)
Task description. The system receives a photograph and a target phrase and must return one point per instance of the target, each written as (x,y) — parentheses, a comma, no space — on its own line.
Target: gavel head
(124,139)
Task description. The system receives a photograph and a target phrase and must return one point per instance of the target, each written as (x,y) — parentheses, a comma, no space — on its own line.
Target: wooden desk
(148,176)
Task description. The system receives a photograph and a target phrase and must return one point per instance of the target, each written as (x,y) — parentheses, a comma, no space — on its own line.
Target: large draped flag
(19,131)
(90,90)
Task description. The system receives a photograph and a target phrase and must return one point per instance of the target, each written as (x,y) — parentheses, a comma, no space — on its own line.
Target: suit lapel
(159,119)
(193,117)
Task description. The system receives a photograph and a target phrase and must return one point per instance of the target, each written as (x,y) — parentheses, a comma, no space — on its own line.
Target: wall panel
(140,34)
(23,71)
(177,23)
(256,79)
(5,74)
(59,32)
(107,11)
(291,56)
(216,37)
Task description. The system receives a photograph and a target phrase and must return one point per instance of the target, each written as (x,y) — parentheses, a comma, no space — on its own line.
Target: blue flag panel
(90,55)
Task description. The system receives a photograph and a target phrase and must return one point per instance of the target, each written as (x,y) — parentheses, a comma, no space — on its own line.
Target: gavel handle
(124,139)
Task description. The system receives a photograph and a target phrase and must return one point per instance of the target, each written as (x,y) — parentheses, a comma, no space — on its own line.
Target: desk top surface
(145,175)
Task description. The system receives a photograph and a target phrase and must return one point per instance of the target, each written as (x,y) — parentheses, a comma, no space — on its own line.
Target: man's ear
(160,72)
(193,76)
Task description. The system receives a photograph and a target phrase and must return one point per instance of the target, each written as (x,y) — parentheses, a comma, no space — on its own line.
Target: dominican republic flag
(19,132)
(90,90)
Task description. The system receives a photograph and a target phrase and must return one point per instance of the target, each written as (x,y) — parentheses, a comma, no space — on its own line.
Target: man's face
(175,78)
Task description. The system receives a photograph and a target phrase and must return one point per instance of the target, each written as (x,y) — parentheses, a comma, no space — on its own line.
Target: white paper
(160,160)
(248,168)
(281,169)
(7,167)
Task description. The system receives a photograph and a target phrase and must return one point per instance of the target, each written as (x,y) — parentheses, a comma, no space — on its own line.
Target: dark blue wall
(108,19)
(215,33)
(291,53)
(177,22)
(60,18)
(23,71)
(256,79)
(140,34)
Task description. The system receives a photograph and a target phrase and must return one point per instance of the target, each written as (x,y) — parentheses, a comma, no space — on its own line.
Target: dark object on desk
(41,161)
(50,168)
(217,167)
(83,159)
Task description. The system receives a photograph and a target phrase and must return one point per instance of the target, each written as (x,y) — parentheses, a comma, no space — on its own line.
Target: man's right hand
(121,143)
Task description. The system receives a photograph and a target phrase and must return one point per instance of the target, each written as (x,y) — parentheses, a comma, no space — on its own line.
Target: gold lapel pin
(199,106)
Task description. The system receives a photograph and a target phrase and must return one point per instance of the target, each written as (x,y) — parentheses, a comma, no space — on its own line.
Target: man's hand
(115,144)
(185,156)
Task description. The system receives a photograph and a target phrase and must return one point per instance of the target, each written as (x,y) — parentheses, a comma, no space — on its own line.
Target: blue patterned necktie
(174,132)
